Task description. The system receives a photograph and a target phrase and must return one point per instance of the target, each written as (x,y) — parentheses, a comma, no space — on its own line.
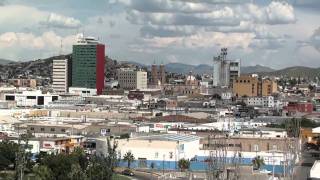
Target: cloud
(166,31)
(164,6)
(48,43)
(3,2)
(315,39)
(20,17)
(60,21)
(306,3)
(223,17)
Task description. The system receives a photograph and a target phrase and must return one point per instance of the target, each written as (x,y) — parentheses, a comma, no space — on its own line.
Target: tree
(77,173)
(8,152)
(129,158)
(42,173)
(183,164)
(258,162)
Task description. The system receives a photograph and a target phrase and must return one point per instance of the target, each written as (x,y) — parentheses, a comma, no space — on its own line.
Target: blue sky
(272,33)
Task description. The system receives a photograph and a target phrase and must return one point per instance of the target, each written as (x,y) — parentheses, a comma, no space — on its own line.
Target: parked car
(128,172)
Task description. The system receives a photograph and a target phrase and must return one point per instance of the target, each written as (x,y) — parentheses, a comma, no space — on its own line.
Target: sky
(274,33)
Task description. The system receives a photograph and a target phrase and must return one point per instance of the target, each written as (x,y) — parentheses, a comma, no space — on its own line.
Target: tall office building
(88,64)
(60,75)
(225,71)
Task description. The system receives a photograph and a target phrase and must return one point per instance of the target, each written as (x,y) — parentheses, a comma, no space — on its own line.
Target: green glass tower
(88,64)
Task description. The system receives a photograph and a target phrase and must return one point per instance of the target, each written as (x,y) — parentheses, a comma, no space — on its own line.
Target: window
(52,129)
(256,147)
(63,130)
(32,128)
(31,97)
(10,98)
(156,155)
(41,129)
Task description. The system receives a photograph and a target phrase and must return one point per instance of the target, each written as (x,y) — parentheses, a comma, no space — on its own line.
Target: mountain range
(180,68)
(5,61)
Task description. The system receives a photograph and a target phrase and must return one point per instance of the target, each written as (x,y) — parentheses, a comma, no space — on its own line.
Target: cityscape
(159,89)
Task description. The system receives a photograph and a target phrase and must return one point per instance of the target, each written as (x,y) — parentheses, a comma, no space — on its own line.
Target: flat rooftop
(169,137)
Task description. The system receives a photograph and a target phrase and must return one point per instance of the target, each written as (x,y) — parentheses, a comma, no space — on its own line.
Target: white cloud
(315,39)
(164,6)
(19,17)
(60,21)
(48,43)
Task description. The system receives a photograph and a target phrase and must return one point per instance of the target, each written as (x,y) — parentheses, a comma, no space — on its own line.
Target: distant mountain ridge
(255,69)
(5,61)
(203,68)
(296,71)
(43,67)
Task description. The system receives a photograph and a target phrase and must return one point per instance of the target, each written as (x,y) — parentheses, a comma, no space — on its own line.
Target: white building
(31,98)
(315,170)
(225,71)
(60,75)
(83,92)
(129,78)
(167,147)
(265,101)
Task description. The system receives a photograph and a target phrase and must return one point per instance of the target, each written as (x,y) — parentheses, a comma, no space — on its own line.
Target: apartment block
(129,78)
(254,86)
(60,75)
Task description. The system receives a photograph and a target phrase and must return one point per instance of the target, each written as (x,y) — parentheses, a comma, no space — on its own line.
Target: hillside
(255,69)
(5,61)
(296,71)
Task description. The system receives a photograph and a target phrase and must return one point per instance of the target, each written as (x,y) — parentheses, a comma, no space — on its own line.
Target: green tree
(8,152)
(42,173)
(258,162)
(129,158)
(183,164)
(77,173)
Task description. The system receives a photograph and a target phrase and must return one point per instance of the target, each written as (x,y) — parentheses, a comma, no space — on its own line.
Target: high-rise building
(129,78)
(60,75)
(225,71)
(88,64)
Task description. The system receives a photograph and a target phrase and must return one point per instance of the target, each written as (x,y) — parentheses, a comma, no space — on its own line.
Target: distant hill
(296,71)
(5,61)
(255,69)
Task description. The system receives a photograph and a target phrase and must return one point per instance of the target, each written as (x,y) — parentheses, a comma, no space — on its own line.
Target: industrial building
(225,71)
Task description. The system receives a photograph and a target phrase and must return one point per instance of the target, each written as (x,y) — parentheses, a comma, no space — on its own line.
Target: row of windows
(244,81)
(51,129)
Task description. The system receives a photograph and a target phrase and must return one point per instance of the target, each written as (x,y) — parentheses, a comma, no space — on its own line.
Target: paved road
(143,176)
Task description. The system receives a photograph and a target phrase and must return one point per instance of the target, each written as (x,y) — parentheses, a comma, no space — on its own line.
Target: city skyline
(271,33)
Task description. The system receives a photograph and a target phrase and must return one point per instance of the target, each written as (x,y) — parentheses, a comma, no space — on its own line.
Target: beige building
(269,87)
(129,78)
(253,86)
(32,83)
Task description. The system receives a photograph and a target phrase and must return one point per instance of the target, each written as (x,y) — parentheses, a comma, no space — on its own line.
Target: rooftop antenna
(60,53)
